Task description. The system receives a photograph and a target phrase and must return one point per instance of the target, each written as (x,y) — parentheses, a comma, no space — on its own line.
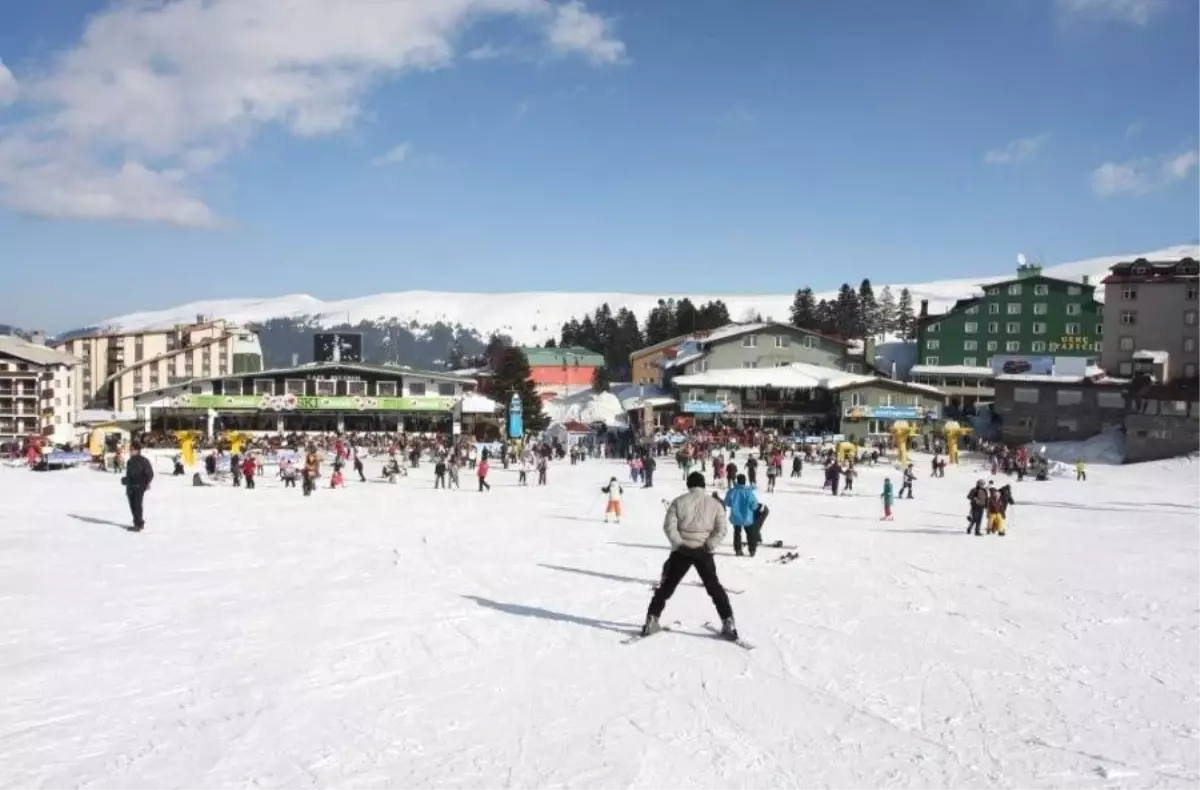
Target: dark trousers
(975,519)
(249,481)
(135,494)
(289,482)
(484,484)
(522,479)
(309,483)
(649,475)
(358,467)
(541,477)
(907,486)
(439,480)
(753,538)
(752,478)
(676,567)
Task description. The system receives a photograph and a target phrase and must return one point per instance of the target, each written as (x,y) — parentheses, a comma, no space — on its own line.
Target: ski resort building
(36,394)
(561,372)
(322,397)
(117,367)
(1152,308)
(1031,314)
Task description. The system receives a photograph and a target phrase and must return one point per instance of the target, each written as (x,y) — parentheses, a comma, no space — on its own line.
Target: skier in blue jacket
(742,503)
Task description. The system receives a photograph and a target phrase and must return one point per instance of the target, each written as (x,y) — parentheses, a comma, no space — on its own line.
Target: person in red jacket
(249,470)
(481,471)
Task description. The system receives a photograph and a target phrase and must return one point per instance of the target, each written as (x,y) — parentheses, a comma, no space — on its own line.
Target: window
(326,387)
(1072,329)
(1129,293)
(231,386)
(1074,290)
(1189,317)
(196,389)
(932,328)
(932,345)
(969,361)
(993,292)
(1125,369)
(385,389)
(264,387)
(1014,308)
(1098,346)
(1099,330)
(782,341)
(1191,293)
(416,388)
(1014,289)
(1012,345)
(853,367)
(970,345)
(1125,343)
(1074,309)
(1110,400)
(750,341)
(994,308)
(1041,290)
(993,327)
(1012,328)
(723,396)
(1053,347)
(970,327)
(931,360)
(1025,395)
(1189,345)
(858,399)
(356,388)
(1070,397)
(1040,308)
(972,310)
(809,342)
(446,389)
(1128,317)
(1037,346)
(992,345)
(1189,370)
(749,365)
(1066,424)
(1039,328)
(695,396)
(293,386)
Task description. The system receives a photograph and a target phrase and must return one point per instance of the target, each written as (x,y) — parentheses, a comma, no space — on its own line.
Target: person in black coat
(138,476)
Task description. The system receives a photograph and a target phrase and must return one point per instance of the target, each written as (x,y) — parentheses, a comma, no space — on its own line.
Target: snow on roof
(798,375)
(679,362)
(33,352)
(950,370)
(639,396)
(1094,374)
(90,416)
(586,407)
(474,403)
(1154,356)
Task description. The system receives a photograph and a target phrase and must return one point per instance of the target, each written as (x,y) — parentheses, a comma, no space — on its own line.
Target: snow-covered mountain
(533,317)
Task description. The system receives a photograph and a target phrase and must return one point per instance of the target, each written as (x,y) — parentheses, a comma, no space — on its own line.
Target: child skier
(1080,471)
(889,498)
(614,491)
(772,474)
(481,472)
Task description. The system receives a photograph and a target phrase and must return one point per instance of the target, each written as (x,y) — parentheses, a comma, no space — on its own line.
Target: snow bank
(587,407)
(1103,448)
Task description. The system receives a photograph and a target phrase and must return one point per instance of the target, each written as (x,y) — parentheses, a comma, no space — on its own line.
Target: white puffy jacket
(695,520)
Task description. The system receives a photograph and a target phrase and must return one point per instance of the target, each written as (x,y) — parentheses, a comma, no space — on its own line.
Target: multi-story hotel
(116,367)
(36,390)
(1151,310)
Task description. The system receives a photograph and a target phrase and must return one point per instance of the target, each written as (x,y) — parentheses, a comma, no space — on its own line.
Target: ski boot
(651,627)
(729,630)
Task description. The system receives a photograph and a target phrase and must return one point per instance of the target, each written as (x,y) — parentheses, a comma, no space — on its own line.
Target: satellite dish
(1020,259)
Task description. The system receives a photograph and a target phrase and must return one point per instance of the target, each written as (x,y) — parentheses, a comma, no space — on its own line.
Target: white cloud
(1137,12)
(1021,150)
(1142,176)
(1133,129)
(394,156)
(8,86)
(121,124)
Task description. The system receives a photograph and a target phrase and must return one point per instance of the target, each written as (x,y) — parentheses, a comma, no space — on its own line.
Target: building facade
(646,364)
(1163,421)
(870,409)
(36,391)
(116,367)
(1058,408)
(326,397)
(1031,315)
(756,345)
(1151,306)
(562,371)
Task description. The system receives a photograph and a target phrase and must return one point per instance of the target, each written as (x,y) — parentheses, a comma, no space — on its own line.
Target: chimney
(37,337)
(199,318)
(924,308)
(1086,280)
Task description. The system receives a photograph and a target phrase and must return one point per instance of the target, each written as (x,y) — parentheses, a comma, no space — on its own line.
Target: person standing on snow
(648,468)
(978,499)
(1080,471)
(542,464)
(752,471)
(889,498)
(523,471)
(481,472)
(907,484)
(249,470)
(614,491)
(358,466)
(695,525)
(138,476)
(742,504)
(439,473)
(772,475)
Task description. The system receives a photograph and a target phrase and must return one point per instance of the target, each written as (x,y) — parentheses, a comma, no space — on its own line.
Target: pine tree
(847,317)
(686,315)
(550,343)
(868,309)
(824,318)
(512,374)
(588,336)
(804,309)
(660,325)
(627,338)
(906,320)
(457,358)
(712,315)
(497,345)
(752,315)
(570,334)
(887,312)
(600,380)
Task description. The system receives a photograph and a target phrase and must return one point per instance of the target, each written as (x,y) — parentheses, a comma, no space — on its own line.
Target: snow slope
(532,317)
(400,636)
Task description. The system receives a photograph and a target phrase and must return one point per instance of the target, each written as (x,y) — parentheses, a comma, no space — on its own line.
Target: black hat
(695,480)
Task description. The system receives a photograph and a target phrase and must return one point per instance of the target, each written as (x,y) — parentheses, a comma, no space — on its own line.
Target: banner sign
(707,407)
(516,421)
(887,412)
(425,403)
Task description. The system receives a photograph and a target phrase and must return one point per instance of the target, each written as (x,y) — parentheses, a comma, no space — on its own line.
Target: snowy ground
(401,636)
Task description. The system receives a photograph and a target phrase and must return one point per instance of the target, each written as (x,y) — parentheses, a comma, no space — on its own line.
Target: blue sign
(516,422)
(703,407)
(897,413)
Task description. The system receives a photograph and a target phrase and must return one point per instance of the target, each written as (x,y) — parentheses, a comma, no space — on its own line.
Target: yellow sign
(1075,343)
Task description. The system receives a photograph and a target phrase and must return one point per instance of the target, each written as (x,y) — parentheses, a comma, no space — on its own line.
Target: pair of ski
(730,590)
(712,629)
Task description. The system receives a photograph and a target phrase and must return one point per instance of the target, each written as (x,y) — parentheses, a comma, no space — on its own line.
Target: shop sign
(885,412)
(708,407)
(412,403)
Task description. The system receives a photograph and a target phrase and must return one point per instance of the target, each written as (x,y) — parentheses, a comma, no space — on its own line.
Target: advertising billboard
(1022,365)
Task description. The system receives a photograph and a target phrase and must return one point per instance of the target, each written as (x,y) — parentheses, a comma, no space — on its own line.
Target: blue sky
(493,145)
